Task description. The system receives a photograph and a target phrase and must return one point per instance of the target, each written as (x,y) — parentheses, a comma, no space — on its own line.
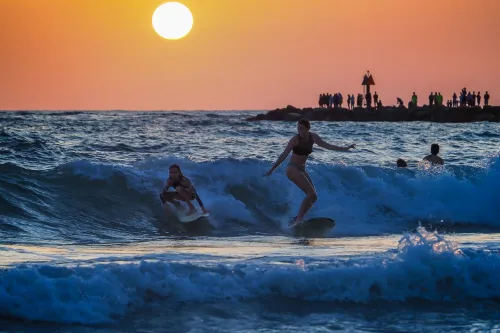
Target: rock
(293,116)
(260,116)
(291,108)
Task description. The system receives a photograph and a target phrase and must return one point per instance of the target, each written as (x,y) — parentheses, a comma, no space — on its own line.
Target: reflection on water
(222,248)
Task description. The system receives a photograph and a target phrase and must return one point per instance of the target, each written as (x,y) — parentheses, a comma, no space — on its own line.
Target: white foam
(425,267)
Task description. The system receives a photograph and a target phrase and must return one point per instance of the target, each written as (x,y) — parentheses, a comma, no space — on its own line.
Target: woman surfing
(301,145)
(184,191)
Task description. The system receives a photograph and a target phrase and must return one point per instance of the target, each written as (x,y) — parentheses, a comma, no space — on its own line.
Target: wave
(425,267)
(113,202)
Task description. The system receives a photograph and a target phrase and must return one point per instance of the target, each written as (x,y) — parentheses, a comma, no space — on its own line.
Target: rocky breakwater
(392,114)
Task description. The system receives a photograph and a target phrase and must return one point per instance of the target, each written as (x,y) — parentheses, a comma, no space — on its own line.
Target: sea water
(85,245)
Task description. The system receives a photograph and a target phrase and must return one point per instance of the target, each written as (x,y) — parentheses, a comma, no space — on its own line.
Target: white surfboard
(192,217)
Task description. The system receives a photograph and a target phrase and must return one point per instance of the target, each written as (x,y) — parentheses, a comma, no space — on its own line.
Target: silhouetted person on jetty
(433,157)
(414,99)
(455,102)
(400,102)
(463,97)
(368,100)
(360,101)
(469,99)
(431,99)
(375,99)
(478,96)
(486,99)
(340,99)
(439,99)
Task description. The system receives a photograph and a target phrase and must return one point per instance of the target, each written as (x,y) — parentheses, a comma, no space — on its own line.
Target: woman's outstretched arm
(320,142)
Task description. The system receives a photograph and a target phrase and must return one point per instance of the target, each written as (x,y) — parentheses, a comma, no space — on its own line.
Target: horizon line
(131,110)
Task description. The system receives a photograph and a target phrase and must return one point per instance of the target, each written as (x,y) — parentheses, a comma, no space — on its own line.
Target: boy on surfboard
(184,191)
(301,145)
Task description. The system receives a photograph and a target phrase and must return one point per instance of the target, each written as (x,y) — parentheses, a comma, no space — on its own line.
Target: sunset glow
(258,54)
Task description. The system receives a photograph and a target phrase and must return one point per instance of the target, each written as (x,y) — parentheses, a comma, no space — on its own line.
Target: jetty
(440,114)
(461,109)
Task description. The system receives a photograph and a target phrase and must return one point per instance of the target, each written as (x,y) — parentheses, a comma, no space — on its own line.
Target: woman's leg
(170,197)
(302,180)
(187,197)
(309,179)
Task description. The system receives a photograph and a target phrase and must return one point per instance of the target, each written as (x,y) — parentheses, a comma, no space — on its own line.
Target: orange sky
(242,54)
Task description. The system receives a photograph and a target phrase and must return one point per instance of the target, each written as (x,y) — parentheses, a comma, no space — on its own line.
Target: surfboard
(192,217)
(313,227)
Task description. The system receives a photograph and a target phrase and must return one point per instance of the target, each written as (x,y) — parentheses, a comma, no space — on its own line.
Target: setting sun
(172,20)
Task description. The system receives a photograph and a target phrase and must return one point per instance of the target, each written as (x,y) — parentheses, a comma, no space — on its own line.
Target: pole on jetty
(367,82)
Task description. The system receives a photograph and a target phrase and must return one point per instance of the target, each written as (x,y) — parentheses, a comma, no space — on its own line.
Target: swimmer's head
(401,163)
(434,149)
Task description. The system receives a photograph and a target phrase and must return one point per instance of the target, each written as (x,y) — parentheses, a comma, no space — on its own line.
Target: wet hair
(305,123)
(176,166)
(401,163)
(434,149)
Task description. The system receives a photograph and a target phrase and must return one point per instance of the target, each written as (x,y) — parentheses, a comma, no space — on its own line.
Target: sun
(172,20)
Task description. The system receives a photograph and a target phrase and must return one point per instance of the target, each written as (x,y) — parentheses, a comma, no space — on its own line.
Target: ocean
(85,245)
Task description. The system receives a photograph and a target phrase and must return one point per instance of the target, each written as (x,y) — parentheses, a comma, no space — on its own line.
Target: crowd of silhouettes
(328,100)
(435,99)
(336,100)
(466,99)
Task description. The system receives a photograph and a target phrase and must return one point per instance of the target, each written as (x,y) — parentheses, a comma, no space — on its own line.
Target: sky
(242,54)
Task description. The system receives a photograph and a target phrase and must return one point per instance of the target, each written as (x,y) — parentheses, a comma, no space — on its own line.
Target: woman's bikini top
(174,184)
(304,147)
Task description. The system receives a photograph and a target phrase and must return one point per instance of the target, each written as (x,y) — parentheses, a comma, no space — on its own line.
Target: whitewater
(85,245)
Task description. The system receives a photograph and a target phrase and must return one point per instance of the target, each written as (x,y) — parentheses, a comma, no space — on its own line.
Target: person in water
(184,190)
(301,145)
(401,163)
(433,157)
